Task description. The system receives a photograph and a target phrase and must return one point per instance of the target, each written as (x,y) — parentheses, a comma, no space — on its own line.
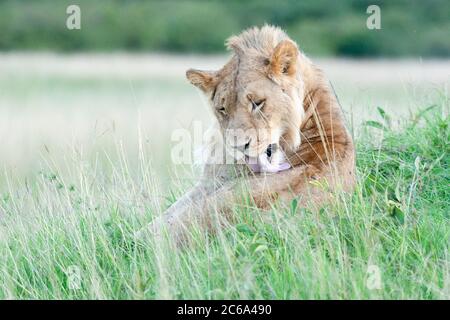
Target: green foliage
(324,27)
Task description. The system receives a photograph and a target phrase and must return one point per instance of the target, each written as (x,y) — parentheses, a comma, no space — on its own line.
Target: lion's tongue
(262,164)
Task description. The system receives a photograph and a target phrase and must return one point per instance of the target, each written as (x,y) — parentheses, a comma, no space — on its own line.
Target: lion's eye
(256,105)
(222,111)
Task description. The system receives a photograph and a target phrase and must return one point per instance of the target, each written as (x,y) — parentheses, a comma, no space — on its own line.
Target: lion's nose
(243,147)
(247,145)
(271,149)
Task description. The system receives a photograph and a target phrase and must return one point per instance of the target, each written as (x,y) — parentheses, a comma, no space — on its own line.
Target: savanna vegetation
(396,221)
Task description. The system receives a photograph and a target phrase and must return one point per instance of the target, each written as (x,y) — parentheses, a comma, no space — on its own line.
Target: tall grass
(80,220)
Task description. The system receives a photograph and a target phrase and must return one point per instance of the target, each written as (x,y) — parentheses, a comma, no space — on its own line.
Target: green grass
(396,220)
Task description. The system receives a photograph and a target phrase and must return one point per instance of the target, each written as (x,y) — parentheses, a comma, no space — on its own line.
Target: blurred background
(87,94)
(322,27)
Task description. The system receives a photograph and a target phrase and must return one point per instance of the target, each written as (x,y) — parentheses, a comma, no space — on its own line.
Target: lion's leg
(212,210)
(194,209)
(184,204)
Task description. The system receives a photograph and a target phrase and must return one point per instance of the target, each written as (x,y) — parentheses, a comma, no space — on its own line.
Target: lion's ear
(284,59)
(204,80)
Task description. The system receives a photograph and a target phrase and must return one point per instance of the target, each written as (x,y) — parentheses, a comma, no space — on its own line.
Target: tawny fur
(301,110)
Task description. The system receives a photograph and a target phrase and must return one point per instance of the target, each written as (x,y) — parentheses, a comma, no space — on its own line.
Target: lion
(280,120)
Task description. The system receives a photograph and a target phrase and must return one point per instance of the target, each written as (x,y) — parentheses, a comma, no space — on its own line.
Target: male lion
(279,118)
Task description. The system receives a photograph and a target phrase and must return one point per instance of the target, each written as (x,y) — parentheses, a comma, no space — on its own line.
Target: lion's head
(257,96)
